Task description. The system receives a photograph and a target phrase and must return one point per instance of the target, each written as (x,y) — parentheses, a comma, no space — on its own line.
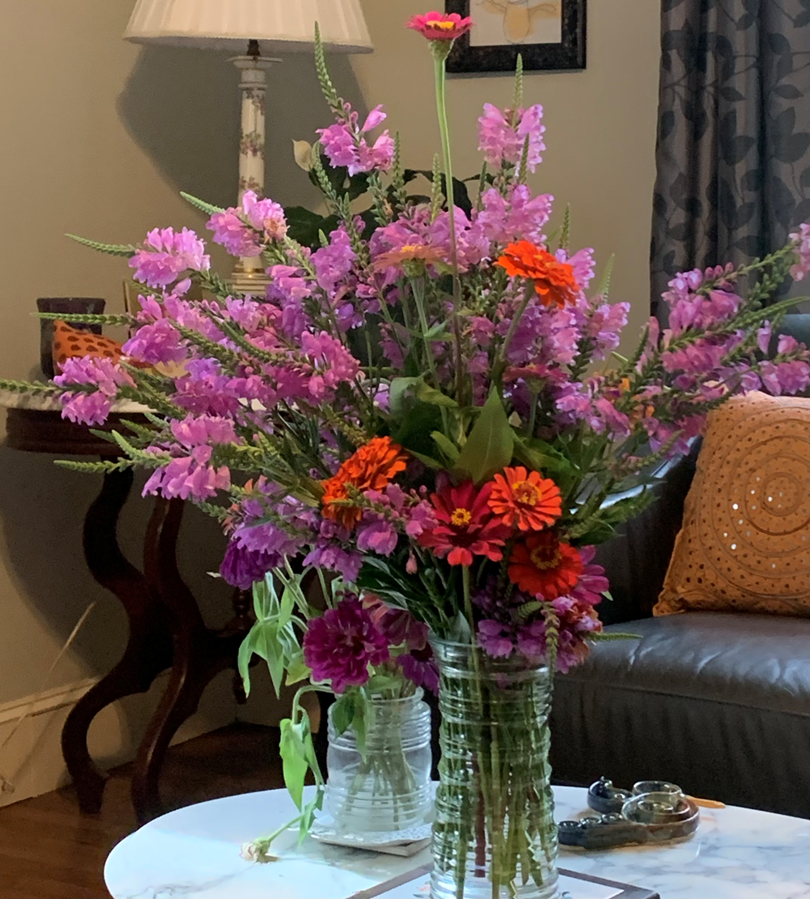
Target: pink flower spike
(436,26)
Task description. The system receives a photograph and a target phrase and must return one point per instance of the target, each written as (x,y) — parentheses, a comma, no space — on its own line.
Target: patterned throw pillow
(69,342)
(745,540)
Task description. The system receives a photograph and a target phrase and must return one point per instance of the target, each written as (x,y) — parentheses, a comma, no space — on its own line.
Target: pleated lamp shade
(280,26)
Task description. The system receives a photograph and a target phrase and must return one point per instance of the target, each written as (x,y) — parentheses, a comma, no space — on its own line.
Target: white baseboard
(32,760)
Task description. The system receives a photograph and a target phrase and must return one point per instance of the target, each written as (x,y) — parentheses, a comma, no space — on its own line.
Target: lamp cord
(6,786)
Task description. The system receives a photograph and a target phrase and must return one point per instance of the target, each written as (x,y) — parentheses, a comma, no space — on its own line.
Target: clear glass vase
(493,833)
(387,789)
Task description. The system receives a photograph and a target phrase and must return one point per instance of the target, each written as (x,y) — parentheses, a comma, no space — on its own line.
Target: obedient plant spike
(104,467)
(88,319)
(398,175)
(565,233)
(517,97)
(604,284)
(201,204)
(609,636)
(217,285)
(327,189)
(327,88)
(482,186)
(111,249)
(25,387)
(436,195)
(523,168)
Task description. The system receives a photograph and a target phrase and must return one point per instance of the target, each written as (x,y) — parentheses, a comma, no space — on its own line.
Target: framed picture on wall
(549,34)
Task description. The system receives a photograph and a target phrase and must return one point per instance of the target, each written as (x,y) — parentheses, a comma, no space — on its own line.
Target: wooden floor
(49,850)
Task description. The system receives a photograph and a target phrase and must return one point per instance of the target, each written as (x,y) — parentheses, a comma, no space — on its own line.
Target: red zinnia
(545,567)
(465,525)
(525,500)
(554,281)
(436,26)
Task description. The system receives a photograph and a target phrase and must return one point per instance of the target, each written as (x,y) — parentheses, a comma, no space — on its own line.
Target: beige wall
(97,138)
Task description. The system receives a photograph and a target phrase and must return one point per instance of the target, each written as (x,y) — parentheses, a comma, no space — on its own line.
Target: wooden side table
(166,629)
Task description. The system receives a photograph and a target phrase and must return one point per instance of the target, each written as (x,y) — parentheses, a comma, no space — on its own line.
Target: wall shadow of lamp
(257,30)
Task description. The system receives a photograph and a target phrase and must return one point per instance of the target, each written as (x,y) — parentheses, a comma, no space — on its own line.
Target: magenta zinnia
(341,644)
(437,26)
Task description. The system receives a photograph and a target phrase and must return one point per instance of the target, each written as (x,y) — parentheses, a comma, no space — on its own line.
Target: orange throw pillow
(69,342)
(745,541)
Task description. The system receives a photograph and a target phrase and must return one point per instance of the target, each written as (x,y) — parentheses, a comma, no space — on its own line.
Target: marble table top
(44,402)
(194,853)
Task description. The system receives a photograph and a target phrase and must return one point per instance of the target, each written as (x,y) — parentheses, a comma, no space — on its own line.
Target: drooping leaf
(490,444)
(297,669)
(244,656)
(293,759)
(267,646)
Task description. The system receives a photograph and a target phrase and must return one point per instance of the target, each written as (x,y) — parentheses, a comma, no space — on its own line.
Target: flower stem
(440,56)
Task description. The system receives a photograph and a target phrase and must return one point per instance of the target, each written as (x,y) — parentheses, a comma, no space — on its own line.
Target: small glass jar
(386,789)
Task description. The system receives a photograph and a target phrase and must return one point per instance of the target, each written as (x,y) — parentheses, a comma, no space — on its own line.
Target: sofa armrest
(636,559)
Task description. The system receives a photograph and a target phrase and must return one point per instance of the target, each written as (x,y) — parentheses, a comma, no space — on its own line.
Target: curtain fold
(733,149)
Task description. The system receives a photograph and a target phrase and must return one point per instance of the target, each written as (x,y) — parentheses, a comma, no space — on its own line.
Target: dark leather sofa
(718,703)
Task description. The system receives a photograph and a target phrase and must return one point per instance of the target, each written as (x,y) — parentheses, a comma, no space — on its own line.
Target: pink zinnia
(341,644)
(437,26)
(465,525)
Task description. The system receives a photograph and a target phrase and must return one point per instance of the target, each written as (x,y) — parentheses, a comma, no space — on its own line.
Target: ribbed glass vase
(493,834)
(386,789)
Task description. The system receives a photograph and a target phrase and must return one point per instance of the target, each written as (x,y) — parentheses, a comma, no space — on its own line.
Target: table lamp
(255,28)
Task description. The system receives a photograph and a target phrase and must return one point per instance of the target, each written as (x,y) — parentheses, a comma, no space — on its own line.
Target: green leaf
(266,644)
(308,815)
(437,332)
(305,226)
(450,450)
(293,758)
(244,656)
(297,669)
(261,599)
(416,426)
(428,394)
(490,444)
(398,394)
(343,711)
(287,605)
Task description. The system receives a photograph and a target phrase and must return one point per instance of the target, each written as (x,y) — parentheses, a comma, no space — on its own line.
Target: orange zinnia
(544,567)
(554,281)
(370,468)
(525,500)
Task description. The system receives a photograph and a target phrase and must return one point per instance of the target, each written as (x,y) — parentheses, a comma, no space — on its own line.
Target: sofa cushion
(745,541)
(716,702)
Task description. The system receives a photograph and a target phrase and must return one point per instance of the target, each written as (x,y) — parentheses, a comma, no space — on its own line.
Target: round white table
(194,853)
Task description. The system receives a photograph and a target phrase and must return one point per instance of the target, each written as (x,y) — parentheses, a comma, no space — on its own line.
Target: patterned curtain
(733,150)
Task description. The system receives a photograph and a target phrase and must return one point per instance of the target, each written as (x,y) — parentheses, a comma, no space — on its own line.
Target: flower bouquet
(429,410)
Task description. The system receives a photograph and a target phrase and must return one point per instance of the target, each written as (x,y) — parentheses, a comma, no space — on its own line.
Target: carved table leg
(149,648)
(199,655)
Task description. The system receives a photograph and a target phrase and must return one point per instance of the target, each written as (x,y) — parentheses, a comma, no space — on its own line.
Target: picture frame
(550,35)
